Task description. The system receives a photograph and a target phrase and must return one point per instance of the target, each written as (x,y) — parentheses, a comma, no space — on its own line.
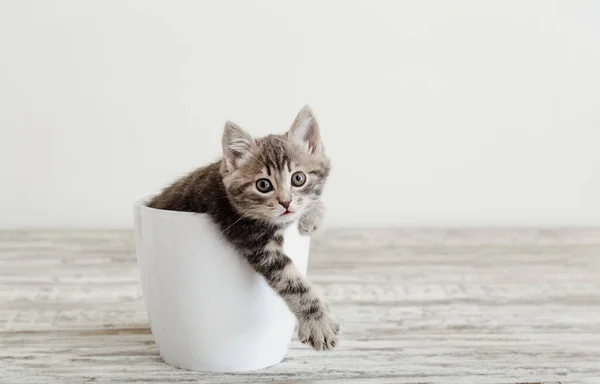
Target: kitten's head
(275,178)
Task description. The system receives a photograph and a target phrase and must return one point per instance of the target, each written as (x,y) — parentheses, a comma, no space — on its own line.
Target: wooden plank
(483,306)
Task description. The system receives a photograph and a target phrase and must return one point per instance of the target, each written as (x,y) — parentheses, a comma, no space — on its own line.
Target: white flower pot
(208,309)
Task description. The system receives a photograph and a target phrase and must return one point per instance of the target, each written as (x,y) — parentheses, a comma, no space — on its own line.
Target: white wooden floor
(415,306)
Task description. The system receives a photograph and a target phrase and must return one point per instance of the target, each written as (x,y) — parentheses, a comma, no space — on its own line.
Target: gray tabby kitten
(259,188)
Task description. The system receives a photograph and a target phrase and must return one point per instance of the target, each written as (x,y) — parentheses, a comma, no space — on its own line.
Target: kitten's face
(275,178)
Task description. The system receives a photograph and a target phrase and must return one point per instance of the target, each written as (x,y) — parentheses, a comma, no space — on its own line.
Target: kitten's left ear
(305,131)
(237,145)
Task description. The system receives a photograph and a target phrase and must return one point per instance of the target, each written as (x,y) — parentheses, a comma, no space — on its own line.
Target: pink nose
(285,204)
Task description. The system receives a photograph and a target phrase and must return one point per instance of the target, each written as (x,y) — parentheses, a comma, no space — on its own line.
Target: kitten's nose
(285,204)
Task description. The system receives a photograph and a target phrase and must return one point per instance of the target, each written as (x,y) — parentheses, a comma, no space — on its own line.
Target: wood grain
(416,306)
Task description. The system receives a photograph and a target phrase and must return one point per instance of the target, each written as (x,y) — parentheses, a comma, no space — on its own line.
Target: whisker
(235,222)
(257,159)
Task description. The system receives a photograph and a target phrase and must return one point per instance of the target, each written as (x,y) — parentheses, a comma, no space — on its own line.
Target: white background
(435,113)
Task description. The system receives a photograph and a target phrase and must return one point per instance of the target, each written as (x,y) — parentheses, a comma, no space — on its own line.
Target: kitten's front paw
(307,227)
(311,220)
(320,333)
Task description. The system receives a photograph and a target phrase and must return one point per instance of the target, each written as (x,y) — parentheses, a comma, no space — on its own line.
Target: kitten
(259,188)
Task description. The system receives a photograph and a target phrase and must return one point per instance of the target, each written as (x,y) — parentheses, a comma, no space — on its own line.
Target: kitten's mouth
(287,213)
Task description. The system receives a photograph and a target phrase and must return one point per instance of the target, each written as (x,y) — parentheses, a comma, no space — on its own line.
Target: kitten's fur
(253,222)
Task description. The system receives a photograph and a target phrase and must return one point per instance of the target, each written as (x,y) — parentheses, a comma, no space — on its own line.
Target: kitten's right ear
(305,131)
(237,145)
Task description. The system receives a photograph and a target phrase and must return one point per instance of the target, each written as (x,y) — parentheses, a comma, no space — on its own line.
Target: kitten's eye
(264,185)
(298,179)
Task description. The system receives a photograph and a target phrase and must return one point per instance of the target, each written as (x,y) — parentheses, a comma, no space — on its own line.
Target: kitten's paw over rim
(307,229)
(320,333)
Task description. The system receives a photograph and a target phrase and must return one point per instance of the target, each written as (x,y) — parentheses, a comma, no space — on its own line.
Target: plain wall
(435,113)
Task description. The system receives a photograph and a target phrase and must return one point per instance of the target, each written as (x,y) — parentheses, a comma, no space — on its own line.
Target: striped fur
(253,222)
